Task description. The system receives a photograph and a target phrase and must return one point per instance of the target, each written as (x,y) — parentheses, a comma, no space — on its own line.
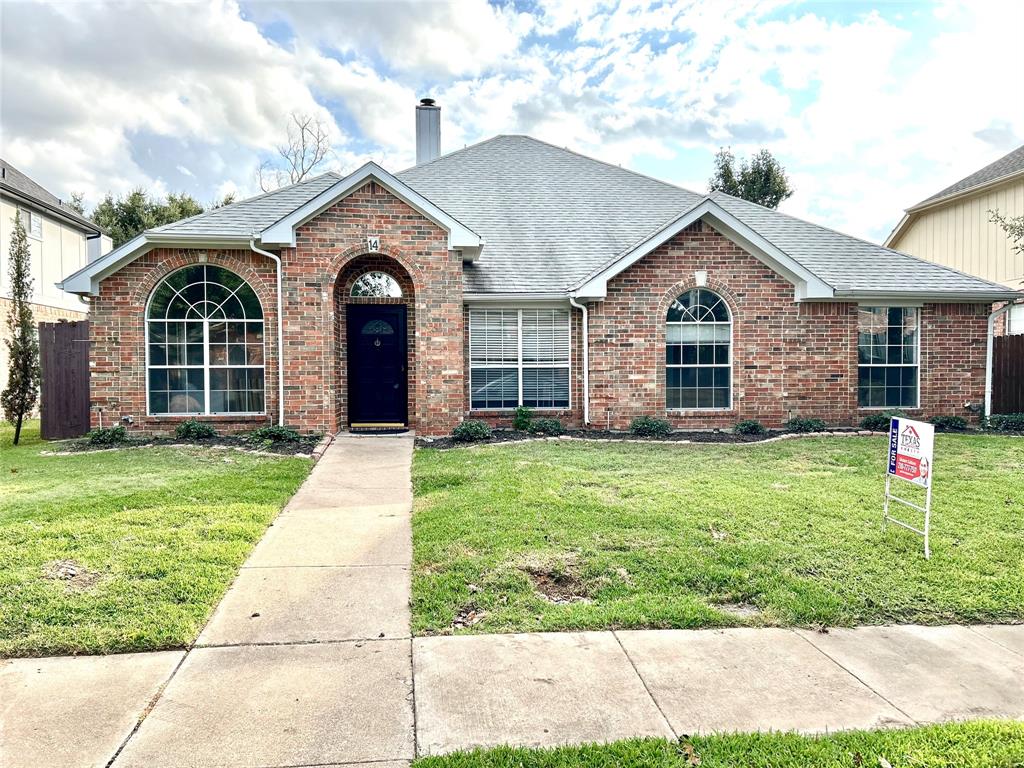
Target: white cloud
(868,114)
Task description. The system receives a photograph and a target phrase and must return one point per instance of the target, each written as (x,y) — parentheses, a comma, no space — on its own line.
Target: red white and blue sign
(910,450)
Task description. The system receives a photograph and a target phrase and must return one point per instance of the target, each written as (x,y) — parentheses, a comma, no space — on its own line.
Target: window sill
(688,411)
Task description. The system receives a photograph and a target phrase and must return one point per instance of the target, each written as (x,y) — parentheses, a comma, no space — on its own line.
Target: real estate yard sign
(910,458)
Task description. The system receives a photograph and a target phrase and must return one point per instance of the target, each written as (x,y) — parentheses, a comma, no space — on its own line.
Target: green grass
(163,530)
(664,536)
(957,745)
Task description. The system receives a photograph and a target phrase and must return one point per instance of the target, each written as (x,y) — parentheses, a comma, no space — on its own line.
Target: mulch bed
(303,447)
(706,436)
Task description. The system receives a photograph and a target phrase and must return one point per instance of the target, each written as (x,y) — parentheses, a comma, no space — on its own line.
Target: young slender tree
(22,392)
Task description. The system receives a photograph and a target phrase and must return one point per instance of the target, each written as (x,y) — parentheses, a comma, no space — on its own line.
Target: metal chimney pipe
(428,131)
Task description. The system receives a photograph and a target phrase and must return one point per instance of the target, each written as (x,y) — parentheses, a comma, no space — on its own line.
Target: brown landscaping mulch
(303,447)
(511,435)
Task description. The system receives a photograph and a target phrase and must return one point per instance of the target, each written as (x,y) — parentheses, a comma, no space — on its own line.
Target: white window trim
(31,216)
(731,366)
(206,366)
(520,365)
(917,355)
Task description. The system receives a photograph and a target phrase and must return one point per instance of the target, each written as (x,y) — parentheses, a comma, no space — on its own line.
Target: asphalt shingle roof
(17,181)
(252,215)
(548,215)
(551,217)
(1004,166)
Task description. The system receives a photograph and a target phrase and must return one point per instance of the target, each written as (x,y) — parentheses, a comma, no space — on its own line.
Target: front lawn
(572,535)
(125,550)
(956,745)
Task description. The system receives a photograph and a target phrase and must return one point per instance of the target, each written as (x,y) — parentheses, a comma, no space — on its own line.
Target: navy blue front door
(377,365)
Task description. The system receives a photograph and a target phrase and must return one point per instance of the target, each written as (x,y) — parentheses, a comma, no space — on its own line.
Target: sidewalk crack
(856,677)
(647,688)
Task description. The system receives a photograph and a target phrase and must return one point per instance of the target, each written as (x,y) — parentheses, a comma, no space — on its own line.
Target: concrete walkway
(308,661)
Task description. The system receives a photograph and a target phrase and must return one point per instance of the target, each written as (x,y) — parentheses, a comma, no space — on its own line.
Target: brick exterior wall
(788,358)
(330,253)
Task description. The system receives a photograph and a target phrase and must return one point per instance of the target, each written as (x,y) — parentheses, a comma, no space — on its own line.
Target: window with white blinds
(519,357)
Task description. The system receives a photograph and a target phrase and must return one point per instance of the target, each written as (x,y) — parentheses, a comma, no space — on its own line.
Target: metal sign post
(911,446)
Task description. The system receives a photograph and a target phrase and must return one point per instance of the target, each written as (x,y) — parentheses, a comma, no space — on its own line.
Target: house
(514,272)
(954,227)
(60,241)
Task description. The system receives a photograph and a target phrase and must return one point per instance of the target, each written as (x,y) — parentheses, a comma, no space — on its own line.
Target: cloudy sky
(870,106)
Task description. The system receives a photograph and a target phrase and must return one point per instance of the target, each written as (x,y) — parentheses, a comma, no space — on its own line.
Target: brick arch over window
(736,316)
(352,264)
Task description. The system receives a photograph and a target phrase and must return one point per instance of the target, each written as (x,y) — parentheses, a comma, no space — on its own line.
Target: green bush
(551,427)
(108,435)
(950,423)
(1011,422)
(803,424)
(749,427)
(274,434)
(648,426)
(522,419)
(471,431)
(879,422)
(194,430)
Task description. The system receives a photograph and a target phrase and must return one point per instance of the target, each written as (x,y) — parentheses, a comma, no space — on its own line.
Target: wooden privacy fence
(64,396)
(1008,374)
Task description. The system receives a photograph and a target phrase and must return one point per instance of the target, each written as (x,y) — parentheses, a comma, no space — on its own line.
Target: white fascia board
(807,285)
(86,281)
(910,298)
(897,231)
(282,232)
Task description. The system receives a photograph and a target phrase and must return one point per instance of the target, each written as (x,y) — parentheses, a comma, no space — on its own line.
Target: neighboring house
(514,272)
(954,227)
(61,242)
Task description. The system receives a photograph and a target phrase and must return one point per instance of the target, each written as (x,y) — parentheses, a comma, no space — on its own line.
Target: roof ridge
(598,160)
(854,237)
(454,152)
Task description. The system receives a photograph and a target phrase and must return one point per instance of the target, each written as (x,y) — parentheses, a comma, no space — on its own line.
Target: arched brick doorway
(375,318)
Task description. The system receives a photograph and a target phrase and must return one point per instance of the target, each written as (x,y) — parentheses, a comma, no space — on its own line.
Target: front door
(377,366)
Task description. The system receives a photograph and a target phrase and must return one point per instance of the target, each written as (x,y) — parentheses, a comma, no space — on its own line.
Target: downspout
(280,329)
(586,358)
(988,357)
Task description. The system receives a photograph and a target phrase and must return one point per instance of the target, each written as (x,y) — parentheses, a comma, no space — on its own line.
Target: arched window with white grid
(698,354)
(204,344)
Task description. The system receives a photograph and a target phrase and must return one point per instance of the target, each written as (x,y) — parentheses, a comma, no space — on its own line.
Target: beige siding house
(953,227)
(61,242)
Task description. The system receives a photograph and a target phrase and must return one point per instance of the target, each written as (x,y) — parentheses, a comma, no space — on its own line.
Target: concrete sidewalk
(308,661)
(558,688)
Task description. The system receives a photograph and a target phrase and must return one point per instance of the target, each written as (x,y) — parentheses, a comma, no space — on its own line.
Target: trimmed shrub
(108,435)
(803,424)
(194,430)
(552,427)
(950,423)
(522,419)
(471,431)
(1010,422)
(274,434)
(749,427)
(648,426)
(879,422)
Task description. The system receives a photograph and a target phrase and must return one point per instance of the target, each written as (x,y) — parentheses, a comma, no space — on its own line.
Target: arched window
(377,285)
(698,355)
(204,334)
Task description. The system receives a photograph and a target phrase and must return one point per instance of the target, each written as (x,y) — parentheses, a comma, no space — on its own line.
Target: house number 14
(373,243)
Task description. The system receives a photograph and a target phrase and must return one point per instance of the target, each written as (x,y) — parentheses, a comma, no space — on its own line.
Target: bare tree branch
(307,148)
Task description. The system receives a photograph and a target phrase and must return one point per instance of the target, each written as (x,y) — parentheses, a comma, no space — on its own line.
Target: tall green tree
(22,391)
(129,216)
(760,179)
